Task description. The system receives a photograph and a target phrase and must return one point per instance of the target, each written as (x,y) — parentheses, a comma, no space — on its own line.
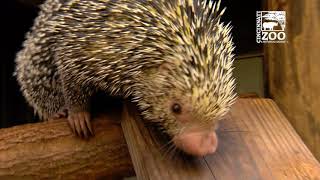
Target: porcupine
(173,57)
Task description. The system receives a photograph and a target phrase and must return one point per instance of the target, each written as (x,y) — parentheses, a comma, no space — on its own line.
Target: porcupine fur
(145,49)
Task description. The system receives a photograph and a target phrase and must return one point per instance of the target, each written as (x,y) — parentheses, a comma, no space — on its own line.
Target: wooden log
(50,151)
(256,142)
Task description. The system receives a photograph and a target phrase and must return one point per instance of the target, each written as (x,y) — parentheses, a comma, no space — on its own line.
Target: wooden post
(49,151)
(256,142)
(294,68)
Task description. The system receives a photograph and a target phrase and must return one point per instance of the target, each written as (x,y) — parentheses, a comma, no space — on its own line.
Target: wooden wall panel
(294,68)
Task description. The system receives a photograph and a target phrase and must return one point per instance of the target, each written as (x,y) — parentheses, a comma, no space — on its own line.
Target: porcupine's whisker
(167,152)
(172,152)
(166,145)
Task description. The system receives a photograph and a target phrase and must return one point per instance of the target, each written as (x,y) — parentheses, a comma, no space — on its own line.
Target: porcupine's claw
(80,124)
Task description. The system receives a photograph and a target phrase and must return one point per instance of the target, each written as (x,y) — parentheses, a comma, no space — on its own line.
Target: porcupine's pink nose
(193,140)
(197,143)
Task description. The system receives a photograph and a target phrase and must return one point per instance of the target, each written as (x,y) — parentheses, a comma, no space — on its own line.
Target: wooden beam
(256,142)
(49,151)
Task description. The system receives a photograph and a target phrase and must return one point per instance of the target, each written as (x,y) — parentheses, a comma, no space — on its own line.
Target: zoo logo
(271,27)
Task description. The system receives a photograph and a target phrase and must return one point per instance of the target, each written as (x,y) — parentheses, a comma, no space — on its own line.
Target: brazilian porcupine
(173,57)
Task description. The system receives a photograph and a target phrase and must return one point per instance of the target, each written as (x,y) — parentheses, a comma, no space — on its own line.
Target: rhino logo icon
(273,20)
(269,25)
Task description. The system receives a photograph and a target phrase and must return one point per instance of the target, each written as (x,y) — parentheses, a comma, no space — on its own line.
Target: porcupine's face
(188,100)
(191,91)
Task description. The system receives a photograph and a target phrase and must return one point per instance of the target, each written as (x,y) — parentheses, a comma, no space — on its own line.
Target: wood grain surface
(255,142)
(50,151)
(294,68)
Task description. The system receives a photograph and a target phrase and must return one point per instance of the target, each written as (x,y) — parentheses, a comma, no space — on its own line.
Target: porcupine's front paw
(80,124)
(61,114)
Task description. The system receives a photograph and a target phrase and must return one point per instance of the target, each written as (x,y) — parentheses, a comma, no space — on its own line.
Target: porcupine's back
(91,40)
(34,63)
(106,44)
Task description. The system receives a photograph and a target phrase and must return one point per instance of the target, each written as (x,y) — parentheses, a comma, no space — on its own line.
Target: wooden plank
(255,142)
(294,71)
(50,151)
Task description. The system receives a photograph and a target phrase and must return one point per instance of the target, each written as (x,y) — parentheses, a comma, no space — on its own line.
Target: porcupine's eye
(176,108)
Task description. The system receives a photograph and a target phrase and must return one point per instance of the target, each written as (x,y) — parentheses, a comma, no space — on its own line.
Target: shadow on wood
(50,151)
(256,142)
